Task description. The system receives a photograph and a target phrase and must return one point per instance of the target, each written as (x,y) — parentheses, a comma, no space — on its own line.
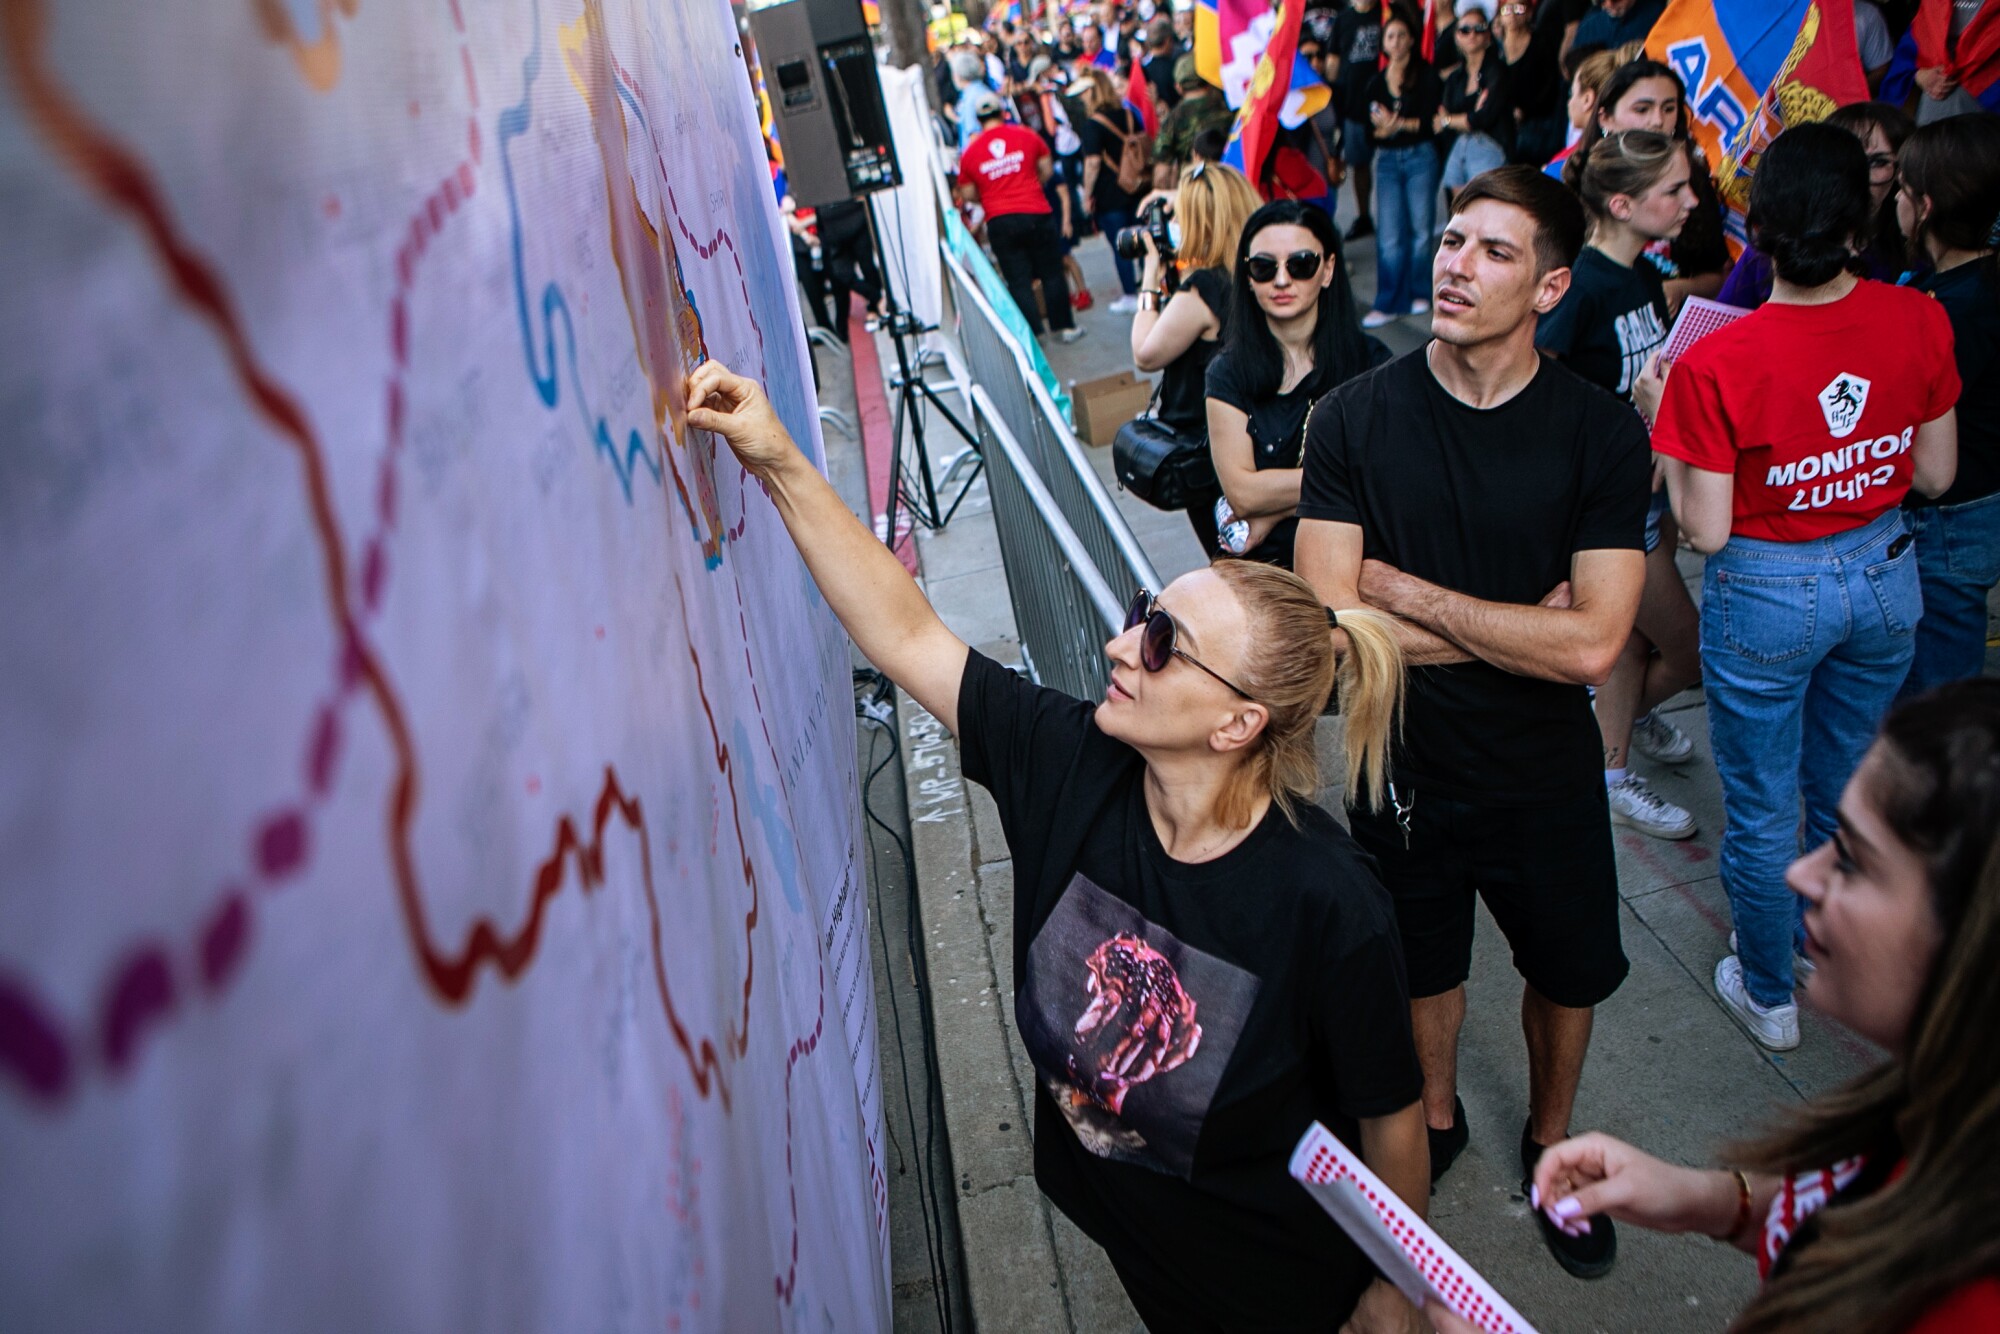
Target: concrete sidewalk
(1669,1070)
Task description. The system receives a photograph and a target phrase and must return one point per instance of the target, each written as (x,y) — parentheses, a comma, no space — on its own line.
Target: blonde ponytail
(1370,685)
(1290,670)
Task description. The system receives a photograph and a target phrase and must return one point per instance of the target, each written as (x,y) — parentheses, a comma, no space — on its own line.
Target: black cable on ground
(869,708)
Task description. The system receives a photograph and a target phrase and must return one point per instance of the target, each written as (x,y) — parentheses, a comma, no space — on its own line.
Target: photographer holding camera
(1186,239)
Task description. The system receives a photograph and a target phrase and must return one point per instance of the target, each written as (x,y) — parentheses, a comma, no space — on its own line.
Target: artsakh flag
(1752,67)
(1270,83)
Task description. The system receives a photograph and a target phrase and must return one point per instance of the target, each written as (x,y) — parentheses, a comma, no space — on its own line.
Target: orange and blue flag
(1750,68)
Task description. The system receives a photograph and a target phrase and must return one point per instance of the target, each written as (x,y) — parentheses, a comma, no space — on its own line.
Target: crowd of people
(1474,553)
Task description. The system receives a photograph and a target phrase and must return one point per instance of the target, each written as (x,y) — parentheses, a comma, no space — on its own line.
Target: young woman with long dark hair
(1791,438)
(1292,337)
(1875,1207)
(1203,963)
(1402,100)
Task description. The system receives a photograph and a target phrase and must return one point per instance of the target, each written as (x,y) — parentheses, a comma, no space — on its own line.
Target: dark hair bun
(1809,260)
(1809,201)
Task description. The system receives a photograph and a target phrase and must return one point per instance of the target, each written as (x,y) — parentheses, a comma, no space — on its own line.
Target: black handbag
(1161,466)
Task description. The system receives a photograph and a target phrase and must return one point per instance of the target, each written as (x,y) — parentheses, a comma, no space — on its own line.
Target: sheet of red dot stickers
(1698,319)
(1401,1244)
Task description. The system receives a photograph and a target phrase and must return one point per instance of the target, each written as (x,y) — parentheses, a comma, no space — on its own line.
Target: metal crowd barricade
(1063,608)
(996,363)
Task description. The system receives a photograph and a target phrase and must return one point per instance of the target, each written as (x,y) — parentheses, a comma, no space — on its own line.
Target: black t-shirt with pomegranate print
(1188,1022)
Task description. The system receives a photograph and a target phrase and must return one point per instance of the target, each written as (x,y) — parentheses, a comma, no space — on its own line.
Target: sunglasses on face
(1301,264)
(1471,30)
(1158,642)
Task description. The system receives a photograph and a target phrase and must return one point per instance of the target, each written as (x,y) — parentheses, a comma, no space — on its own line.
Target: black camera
(1154,221)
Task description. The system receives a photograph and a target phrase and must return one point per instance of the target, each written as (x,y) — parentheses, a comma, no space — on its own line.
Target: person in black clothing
(1179,335)
(1291,338)
(1402,102)
(1475,119)
(1350,63)
(1203,962)
(1494,503)
(1535,84)
(847,253)
(1949,206)
(1104,132)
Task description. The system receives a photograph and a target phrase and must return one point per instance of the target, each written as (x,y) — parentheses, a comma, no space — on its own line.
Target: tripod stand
(918,496)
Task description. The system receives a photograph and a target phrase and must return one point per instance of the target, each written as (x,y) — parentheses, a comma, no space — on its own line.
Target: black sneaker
(1363,226)
(1590,1255)
(1446,1145)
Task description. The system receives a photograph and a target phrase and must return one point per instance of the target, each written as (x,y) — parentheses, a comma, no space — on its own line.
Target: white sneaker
(1802,967)
(1776,1028)
(1420,307)
(1071,334)
(1637,806)
(1375,319)
(1123,305)
(1657,739)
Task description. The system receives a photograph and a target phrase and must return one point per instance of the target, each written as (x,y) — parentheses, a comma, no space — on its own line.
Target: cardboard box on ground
(1103,405)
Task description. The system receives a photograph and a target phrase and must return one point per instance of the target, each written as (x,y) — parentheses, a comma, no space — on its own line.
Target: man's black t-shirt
(1277,429)
(1491,503)
(1184,381)
(1609,323)
(1971,296)
(1357,40)
(1188,1021)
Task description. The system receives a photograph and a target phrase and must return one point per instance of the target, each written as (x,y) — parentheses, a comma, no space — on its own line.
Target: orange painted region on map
(666,329)
(318,58)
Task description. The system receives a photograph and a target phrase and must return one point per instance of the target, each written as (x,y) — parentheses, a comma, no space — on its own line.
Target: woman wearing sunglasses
(1291,338)
(1475,117)
(1203,963)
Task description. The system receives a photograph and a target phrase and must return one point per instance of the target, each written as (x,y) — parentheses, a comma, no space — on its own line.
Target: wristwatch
(1150,298)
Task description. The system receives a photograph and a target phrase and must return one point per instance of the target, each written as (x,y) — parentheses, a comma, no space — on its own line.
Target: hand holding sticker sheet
(1401,1245)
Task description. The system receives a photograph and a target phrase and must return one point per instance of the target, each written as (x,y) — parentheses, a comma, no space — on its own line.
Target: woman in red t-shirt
(1790,438)
(1876,1207)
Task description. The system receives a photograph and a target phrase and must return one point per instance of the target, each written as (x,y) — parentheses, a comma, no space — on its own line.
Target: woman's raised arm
(867,587)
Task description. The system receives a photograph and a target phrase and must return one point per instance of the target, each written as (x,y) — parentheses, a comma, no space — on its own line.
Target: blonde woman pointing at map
(1204,964)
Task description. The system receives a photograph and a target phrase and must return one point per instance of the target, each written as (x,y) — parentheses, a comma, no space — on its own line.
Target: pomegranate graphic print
(1129,1028)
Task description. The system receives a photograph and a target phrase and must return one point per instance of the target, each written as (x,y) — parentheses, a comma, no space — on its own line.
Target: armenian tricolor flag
(1752,67)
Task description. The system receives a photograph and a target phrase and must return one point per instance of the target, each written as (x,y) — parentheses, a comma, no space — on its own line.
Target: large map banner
(428,893)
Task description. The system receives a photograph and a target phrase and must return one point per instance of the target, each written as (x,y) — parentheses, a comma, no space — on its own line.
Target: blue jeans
(1803,646)
(1471,154)
(1406,186)
(1958,556)
(1111,224)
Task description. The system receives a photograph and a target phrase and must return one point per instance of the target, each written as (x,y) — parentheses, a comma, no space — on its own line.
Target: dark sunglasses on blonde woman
(1159,643)
(1301,264)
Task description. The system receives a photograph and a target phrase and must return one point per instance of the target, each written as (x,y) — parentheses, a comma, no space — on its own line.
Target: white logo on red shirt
(998,148)
(1842,402)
